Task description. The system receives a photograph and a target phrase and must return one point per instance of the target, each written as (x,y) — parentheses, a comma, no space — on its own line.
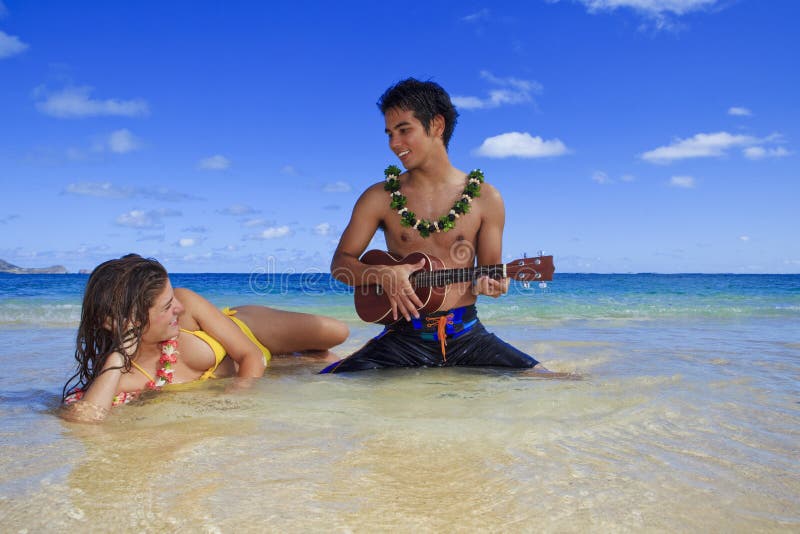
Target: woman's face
(164,315)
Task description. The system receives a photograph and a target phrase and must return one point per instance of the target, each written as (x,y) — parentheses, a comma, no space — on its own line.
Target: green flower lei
(443,223)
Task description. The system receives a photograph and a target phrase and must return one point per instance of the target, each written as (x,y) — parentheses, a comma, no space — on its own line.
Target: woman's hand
(96,402)
(84,412)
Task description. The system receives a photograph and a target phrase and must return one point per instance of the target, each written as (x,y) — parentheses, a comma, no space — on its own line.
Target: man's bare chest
(455,247)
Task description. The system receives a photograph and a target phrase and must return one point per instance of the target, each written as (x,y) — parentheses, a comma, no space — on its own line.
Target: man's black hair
(425,100)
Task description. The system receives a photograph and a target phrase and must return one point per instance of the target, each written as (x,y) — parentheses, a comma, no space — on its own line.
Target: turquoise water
(687,418)
(54,300)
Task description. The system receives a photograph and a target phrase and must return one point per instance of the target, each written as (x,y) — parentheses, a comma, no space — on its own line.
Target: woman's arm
(97,399)
(247,356)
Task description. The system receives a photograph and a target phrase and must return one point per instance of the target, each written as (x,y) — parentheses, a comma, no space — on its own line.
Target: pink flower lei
(169,356)
(164,376)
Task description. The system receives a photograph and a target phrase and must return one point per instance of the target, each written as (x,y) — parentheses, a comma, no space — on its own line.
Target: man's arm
(489,245)
(364,222)
(346,267)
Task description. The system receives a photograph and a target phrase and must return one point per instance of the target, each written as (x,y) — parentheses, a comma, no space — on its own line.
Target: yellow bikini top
(216,346)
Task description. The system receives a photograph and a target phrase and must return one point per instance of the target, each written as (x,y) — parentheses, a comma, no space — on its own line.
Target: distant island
(6,267)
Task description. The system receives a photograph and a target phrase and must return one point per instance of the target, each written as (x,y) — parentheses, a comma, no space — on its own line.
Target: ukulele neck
(446,277)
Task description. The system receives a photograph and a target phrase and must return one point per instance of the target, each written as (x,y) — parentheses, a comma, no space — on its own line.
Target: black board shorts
(418,343)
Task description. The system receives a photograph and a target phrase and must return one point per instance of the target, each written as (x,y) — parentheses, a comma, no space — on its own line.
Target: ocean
(686,417)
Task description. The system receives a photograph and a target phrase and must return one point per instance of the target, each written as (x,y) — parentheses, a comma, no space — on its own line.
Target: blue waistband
(459,322)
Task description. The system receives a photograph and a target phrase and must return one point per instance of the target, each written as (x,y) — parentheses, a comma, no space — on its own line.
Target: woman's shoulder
(183,292)
(190,299)
(196,308)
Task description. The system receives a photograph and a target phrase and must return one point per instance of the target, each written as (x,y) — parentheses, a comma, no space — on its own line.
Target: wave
(56,315)
(54,301)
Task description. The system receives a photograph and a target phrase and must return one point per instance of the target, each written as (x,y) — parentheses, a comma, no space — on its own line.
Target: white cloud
(601,178)
(273,232)
(322,229)
(467,102)
(522,145)
(10,45)
(512,91)
(195,258)
(337,187)
(118,141)
(744,238)
(122,141)
(289,170)
(99,189)
(759,152)
(739,112)
(675,7)
(214,163)
(109,190)
(137,219)
(700,146)
(686,182)
(145,219)
(75,103)
(658,11)
(185,242)
(716,145)
(250,223)
(237,210)
(150,237)
(477,16)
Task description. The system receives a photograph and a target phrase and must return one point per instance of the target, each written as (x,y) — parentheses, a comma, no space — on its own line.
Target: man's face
(407,137)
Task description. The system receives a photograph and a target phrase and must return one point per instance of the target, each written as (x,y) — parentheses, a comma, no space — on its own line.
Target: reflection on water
(664,433)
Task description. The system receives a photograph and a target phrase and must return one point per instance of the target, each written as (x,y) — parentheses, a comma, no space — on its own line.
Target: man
(439,210)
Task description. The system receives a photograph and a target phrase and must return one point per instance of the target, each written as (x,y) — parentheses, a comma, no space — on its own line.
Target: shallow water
(686,421)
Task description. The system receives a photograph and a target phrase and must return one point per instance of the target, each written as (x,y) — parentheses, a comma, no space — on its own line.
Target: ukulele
(430,283)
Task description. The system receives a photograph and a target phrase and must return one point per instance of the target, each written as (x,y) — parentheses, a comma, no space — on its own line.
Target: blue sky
(625,135)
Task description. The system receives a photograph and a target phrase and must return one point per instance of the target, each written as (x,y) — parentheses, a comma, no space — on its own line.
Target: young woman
(138,333)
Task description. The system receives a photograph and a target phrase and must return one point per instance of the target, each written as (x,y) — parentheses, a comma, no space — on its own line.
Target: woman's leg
(284,332)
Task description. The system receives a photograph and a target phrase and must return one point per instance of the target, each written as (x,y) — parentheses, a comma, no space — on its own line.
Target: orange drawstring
(441,323)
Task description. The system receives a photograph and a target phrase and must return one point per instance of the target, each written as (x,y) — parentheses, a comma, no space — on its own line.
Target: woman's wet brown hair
(115,312)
